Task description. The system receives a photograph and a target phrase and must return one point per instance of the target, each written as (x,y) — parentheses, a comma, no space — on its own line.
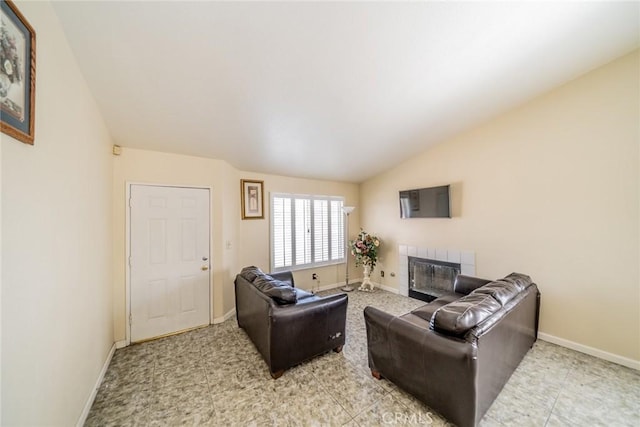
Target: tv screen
(430,202)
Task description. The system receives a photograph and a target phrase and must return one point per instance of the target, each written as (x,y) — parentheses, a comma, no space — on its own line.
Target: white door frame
(128,249)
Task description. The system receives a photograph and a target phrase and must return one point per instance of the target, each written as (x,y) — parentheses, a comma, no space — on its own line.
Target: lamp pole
(347,210)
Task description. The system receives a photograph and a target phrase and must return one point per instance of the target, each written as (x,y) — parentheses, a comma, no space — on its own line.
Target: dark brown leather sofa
(456,353)
(286,324)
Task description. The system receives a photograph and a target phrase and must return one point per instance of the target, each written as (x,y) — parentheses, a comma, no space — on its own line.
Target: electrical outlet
(381,273)
(314,276)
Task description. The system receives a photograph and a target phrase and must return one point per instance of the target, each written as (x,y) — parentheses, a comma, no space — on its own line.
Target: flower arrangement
(365,249)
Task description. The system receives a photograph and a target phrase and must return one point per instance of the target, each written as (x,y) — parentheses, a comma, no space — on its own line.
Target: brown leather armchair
(456,353)
(286,324)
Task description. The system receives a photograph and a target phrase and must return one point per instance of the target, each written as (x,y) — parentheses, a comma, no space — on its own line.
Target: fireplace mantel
(466,259)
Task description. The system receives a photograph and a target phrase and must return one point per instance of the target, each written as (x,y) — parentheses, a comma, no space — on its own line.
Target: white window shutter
(282,233)
(306,231)
(321,230)
(303,231)
(337,230)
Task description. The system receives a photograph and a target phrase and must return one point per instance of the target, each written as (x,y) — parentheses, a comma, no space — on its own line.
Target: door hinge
(130,319)
(130,263)
(130,202)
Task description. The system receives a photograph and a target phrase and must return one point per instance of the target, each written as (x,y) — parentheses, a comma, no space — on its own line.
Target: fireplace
(430,278)
(464,259)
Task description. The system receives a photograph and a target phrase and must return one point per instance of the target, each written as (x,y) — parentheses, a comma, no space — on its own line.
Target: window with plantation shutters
(306,231)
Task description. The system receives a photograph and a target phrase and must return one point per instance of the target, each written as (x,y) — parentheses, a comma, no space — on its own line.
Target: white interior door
(169,260)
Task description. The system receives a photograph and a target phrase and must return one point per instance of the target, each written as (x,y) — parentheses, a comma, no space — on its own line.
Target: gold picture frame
(252,199)
(17,74)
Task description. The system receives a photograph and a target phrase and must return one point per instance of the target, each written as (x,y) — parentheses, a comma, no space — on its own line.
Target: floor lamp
(347,210)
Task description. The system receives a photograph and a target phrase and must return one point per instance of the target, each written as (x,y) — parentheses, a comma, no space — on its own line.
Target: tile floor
(214,376)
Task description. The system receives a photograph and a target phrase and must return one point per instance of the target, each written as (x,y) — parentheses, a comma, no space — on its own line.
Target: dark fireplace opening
(429,278)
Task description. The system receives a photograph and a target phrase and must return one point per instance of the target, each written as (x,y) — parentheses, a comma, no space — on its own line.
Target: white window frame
(312,264)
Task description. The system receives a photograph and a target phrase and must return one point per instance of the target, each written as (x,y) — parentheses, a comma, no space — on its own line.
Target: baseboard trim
(387,288)
(591,351)
(121,344)
(337,285)
(329,287)
(96,387)
(226,317)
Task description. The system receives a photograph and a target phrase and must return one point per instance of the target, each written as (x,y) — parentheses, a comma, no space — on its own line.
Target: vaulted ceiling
(328,90)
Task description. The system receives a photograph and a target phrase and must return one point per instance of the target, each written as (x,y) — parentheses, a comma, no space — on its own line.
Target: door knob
(204,268)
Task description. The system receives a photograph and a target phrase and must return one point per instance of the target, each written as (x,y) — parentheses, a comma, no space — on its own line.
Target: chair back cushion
(281,292)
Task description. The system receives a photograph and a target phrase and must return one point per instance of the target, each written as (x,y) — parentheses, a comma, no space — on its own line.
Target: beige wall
(549,189)
(255,235)
(56,243)
(230,233)
(235,243)
(141,166)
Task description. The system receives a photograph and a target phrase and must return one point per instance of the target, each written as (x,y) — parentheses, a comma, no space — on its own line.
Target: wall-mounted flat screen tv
(430,202)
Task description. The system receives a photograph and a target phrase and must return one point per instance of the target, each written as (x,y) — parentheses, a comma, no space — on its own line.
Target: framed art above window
(252,199)
(17,74)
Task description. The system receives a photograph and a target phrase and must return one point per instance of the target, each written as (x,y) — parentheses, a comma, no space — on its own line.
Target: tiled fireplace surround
(466,259)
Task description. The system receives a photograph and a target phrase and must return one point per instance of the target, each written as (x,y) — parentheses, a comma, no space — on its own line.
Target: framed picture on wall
(17,73)
(252,199)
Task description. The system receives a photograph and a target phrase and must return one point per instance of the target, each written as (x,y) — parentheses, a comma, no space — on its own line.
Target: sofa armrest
(435,368)
(378,346)
(284,276)
(465,284)
(252,311)
(392,341)
(306,329)
(303,310)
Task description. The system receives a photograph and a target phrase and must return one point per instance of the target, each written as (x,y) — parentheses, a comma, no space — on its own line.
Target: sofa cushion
(519,279)
(502,291)
(265,282)
(426,311)
(458,317)
(282,294)
(302,294)
(465,284)
(251,273)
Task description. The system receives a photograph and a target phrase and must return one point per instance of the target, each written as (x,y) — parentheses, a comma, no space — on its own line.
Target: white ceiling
(339,91)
